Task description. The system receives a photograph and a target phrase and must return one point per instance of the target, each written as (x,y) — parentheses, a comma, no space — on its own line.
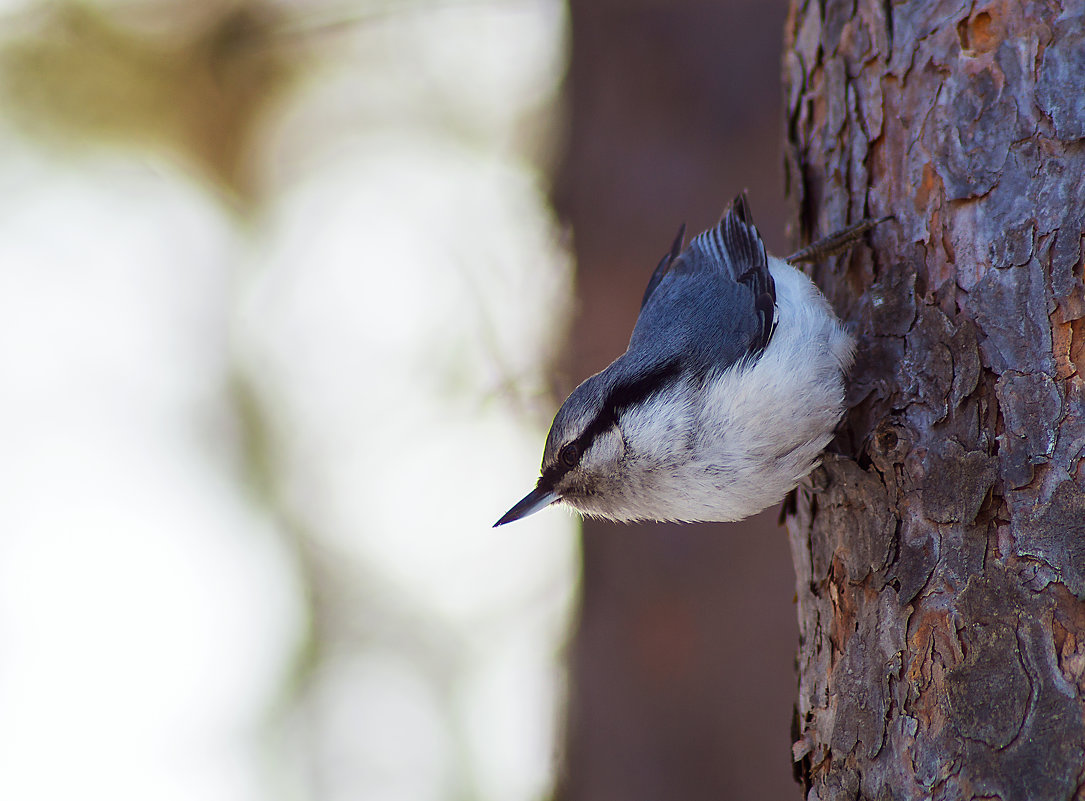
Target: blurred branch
(80,76)
(192,81)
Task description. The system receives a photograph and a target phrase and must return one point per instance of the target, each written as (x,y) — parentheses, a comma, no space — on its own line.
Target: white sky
(404,270)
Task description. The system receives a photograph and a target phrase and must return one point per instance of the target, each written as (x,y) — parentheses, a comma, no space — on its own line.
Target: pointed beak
(534,501)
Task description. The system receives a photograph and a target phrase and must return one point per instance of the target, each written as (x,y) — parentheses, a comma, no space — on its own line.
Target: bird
(730,389)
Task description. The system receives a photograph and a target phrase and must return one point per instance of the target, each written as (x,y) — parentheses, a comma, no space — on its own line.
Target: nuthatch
(730,388)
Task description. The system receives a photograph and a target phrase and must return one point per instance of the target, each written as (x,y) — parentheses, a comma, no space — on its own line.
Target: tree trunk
(940,558)
(681,668)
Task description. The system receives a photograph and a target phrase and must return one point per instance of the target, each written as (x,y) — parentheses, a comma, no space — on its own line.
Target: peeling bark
(940,556)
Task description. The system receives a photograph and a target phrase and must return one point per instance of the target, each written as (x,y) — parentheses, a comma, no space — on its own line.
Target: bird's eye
(569,455)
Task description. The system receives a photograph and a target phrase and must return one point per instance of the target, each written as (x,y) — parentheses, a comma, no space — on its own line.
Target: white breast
(755,431)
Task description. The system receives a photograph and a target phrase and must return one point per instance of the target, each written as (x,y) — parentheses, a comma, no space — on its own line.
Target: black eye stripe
(620,398)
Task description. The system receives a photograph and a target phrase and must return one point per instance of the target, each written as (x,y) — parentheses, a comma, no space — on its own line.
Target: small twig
(835,243)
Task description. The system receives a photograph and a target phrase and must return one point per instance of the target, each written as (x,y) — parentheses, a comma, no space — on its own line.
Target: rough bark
(940,557)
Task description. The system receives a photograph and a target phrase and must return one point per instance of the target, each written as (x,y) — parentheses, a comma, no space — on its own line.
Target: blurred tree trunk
(681,666)
(941,561)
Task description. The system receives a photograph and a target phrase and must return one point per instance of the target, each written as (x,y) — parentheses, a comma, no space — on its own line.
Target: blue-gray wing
(664,264)
(712,304)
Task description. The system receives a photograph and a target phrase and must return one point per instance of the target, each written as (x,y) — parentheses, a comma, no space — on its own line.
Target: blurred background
(289,292)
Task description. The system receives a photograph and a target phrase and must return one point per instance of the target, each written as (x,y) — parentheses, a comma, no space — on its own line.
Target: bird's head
(595,441)
(582,456)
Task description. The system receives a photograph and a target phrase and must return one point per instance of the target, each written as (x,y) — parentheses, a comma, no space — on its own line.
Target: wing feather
(665,264)
(713,303)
